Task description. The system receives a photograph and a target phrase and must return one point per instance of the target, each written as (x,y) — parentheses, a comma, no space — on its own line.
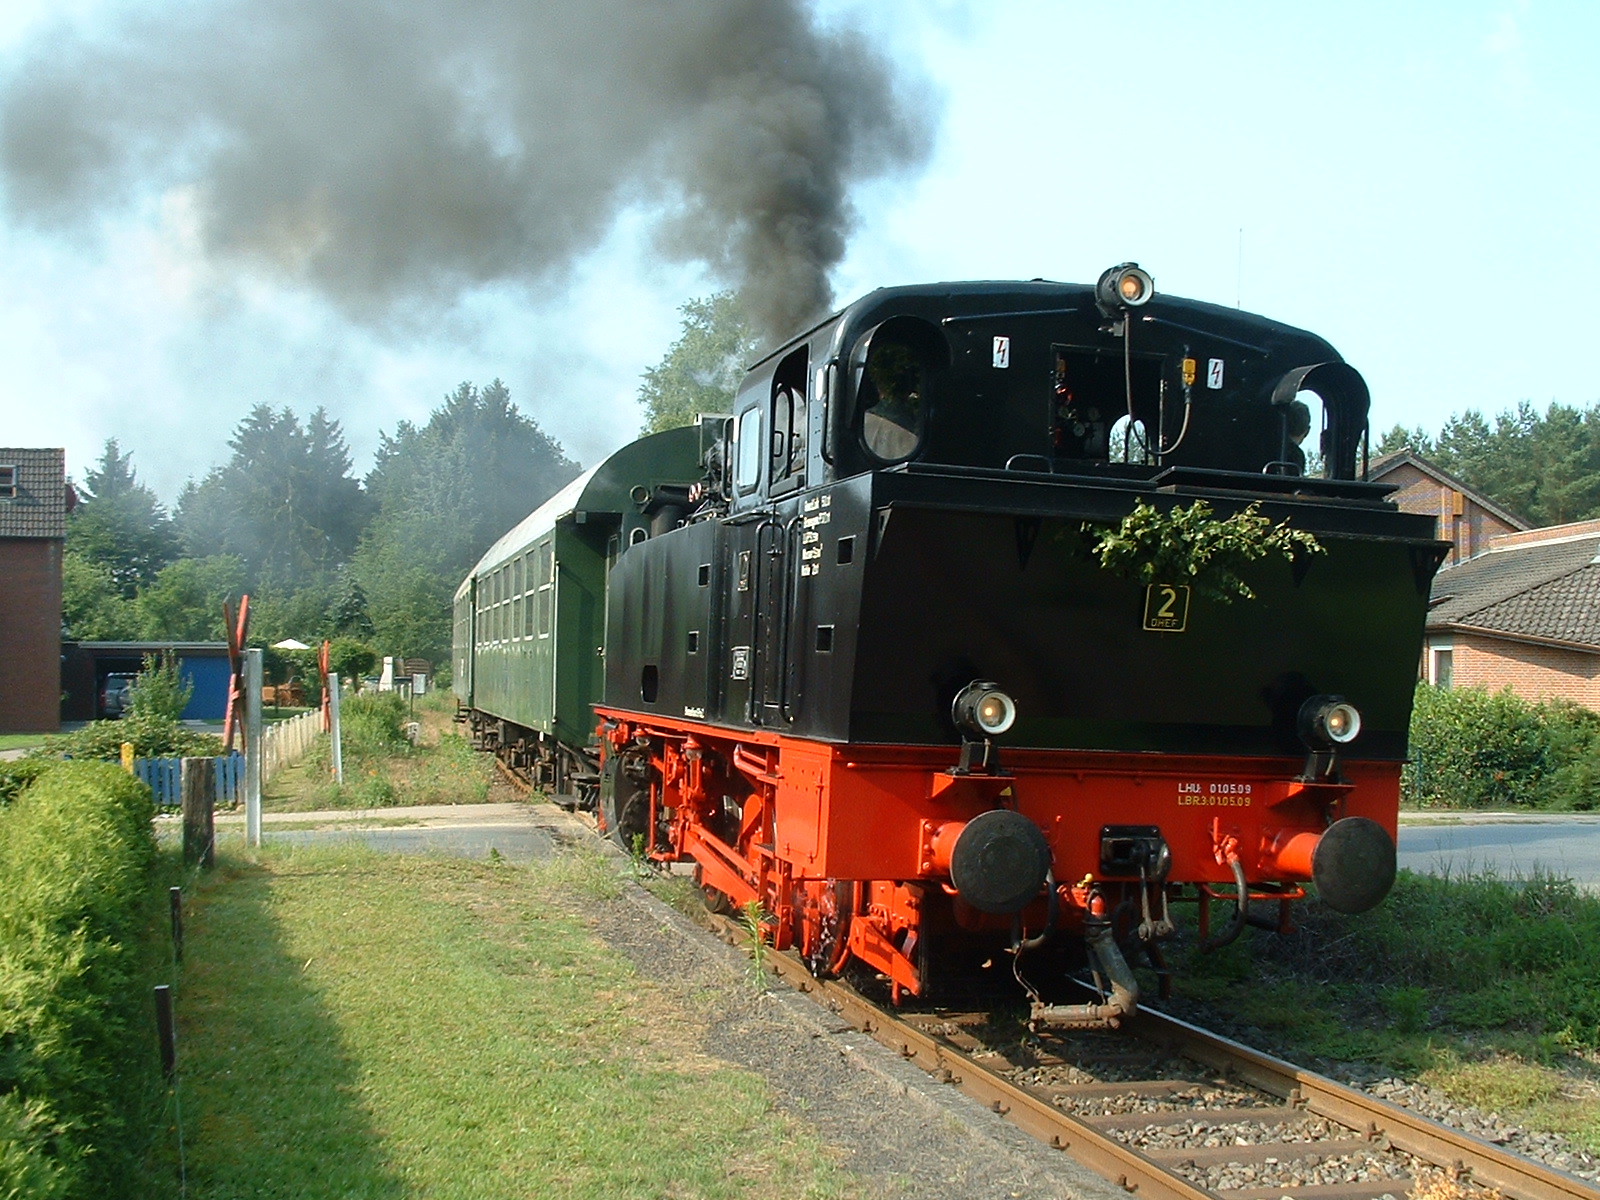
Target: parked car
(115,693)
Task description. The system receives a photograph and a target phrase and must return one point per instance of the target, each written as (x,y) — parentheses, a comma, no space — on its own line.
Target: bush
(78,1075)
(372,724)
(17,774)
(159,691)
(351,659)
(152,737)
(1474,749)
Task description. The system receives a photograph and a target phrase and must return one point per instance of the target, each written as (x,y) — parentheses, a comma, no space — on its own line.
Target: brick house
(33,530)
(1467,519)
(1523,614)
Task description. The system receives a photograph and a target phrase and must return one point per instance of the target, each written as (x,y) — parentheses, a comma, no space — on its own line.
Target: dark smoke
(392,155)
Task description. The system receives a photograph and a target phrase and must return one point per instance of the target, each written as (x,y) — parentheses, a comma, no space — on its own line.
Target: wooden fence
(283,743)
(164,777)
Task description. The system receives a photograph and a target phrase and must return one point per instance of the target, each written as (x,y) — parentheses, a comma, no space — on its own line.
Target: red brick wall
(1532,672)
(1469,529)
(30,635)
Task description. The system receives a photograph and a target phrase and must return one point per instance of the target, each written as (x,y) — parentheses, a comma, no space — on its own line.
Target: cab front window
(892,399)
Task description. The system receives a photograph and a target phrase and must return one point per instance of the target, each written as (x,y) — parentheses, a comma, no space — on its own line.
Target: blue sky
(1414,183)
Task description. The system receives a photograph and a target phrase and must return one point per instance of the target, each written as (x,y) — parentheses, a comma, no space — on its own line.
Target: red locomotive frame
(857,839)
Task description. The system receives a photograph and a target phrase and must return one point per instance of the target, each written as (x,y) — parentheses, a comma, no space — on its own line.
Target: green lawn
(21,741)
(356,1025)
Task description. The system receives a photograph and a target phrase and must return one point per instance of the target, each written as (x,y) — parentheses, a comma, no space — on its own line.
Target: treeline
(321,552)
(1543,467)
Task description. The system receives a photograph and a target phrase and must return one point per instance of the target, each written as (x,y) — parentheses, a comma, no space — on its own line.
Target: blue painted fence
(163,775)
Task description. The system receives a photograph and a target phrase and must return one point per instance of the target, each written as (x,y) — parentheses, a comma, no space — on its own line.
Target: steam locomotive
(859,653)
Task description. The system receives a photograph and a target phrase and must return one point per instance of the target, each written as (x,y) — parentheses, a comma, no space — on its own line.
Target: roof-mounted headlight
(1328,721)
(1126,285)
(983,710)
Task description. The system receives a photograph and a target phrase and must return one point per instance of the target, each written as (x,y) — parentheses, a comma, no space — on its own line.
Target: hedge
(78,1075)
(1474,749)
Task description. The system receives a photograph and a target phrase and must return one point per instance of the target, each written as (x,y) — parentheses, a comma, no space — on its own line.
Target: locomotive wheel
(624,808)
(822,915)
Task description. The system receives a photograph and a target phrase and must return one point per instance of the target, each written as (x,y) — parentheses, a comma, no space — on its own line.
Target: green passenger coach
(539,593)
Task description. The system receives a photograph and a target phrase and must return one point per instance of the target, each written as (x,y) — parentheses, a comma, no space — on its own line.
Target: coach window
(545,574)
(748,473)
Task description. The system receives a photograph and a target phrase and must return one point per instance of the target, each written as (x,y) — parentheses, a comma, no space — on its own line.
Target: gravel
(891,1125)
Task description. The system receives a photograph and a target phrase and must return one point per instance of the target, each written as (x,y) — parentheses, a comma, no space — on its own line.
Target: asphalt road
(1510,846)
(519,832)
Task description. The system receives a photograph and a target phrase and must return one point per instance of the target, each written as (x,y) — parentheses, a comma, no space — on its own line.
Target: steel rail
(1104,1155)
(1461,1153)
(1379,1122)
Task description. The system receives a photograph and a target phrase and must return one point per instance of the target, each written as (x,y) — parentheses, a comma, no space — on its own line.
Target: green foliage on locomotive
(1194,547)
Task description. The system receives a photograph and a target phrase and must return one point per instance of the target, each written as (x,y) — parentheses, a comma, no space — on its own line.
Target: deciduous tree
(702,368)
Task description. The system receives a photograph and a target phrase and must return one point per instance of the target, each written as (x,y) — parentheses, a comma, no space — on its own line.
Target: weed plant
(752,916)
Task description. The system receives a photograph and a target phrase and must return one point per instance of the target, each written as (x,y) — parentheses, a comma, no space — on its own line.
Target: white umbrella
(290,644)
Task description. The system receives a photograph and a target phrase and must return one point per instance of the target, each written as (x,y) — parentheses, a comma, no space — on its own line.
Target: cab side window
(789,423)
(747,471)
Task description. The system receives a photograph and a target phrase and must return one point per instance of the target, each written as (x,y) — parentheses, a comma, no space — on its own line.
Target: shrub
(372,723)
(152,737)
(77,1076)
(1474,749)
(351,659)
(17,774)
(160,691)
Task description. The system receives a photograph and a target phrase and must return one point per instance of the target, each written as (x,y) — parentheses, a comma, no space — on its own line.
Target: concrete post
(333,719)
(252,747)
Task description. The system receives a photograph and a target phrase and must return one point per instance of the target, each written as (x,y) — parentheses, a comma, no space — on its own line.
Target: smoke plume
(395,155)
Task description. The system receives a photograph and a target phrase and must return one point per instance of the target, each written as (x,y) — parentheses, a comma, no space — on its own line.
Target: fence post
(198,787)
(252,744)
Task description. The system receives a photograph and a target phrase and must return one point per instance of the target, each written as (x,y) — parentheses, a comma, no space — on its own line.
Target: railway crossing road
(519,832)
(1512,845)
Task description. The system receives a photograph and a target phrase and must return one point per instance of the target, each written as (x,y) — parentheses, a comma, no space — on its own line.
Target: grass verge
(382,769)
(357,1025)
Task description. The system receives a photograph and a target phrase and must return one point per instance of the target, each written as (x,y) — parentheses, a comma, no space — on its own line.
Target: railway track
(1167,1110)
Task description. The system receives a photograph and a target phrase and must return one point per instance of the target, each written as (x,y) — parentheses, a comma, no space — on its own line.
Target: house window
(8,482)
(1442,667)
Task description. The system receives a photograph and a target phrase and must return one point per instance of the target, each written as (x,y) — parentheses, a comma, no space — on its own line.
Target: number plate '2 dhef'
(1166,607)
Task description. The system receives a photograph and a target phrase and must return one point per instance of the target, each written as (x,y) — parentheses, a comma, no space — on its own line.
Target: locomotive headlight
(1126,285)
(1328,721)
(981,708)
